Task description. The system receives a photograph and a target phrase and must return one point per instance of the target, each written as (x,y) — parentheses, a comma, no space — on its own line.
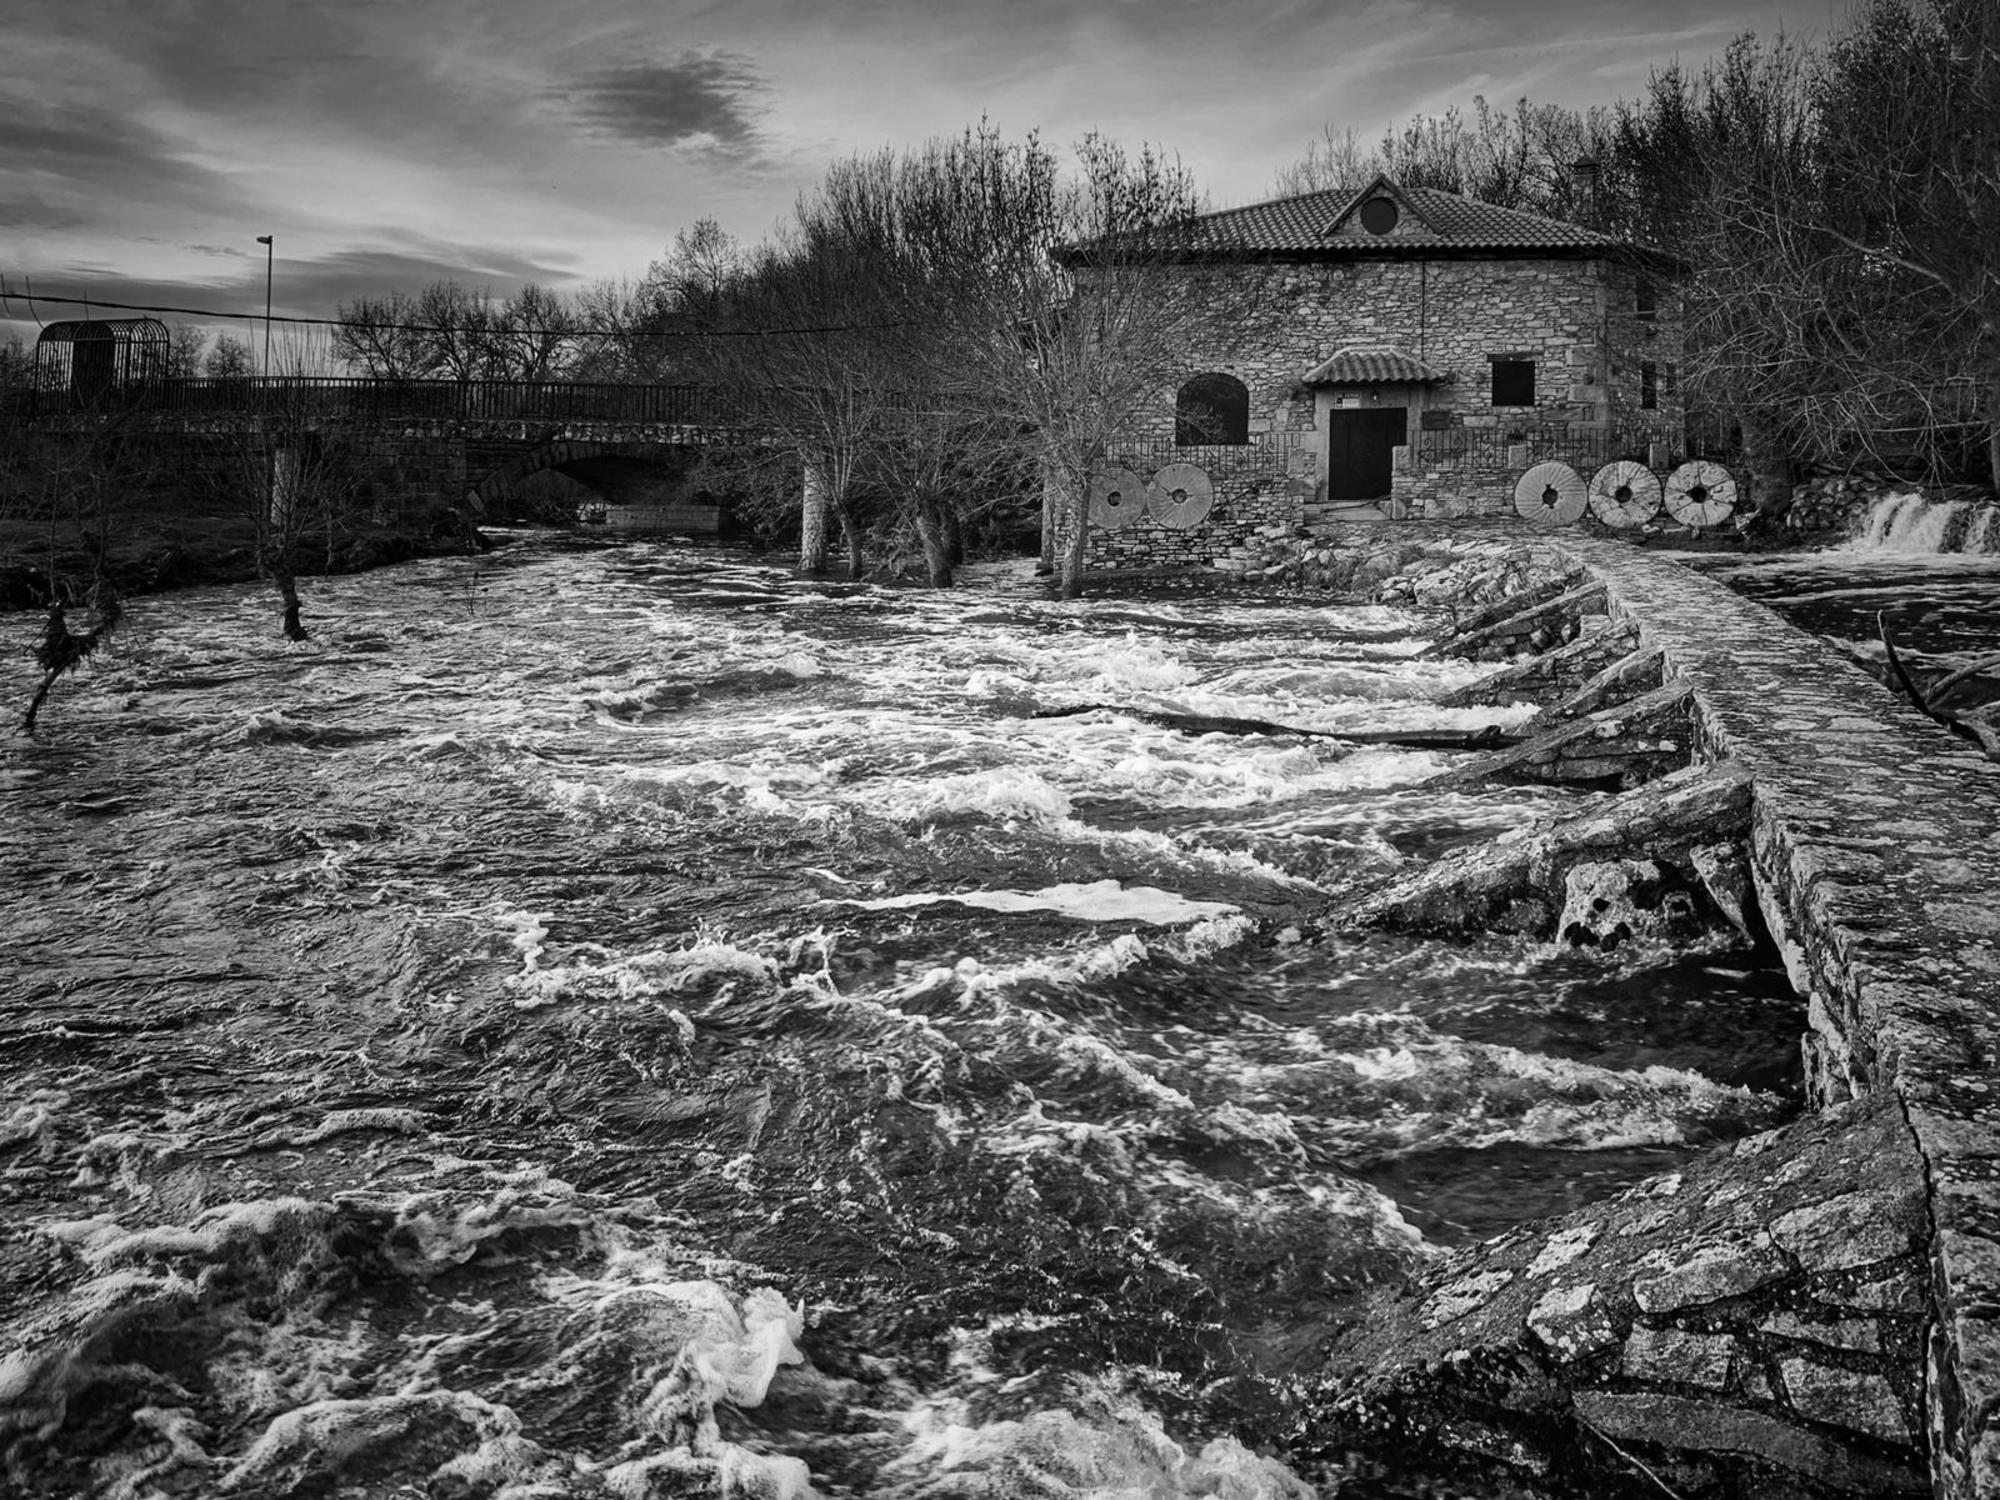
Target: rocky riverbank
(1409,562)
(156,554)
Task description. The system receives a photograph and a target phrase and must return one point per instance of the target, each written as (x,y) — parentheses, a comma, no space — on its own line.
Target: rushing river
(592,1017)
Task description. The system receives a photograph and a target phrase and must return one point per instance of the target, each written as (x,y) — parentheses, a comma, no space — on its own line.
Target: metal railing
(1264,452)
(1579,445)
(369,398)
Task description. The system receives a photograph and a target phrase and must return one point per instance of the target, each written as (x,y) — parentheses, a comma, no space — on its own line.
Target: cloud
(703,102)
(305,287)
(73,164)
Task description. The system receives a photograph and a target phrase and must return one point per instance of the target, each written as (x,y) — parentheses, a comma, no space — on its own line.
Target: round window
(1378,215)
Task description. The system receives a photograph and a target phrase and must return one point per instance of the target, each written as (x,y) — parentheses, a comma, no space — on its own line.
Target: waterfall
(1983,534)
(1907,522)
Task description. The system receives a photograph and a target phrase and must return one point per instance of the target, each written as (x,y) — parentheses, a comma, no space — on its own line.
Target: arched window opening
(1212,408)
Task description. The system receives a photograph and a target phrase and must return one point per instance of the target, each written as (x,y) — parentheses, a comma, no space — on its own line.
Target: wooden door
(1361,450)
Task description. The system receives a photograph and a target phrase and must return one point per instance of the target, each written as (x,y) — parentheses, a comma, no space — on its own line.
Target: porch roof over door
(1372,366)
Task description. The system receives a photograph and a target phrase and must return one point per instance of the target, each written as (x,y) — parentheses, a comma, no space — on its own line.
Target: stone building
(1404,352)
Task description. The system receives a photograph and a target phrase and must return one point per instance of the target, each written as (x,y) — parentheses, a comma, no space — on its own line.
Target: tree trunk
(954,533)
(1993,429)
(850,533)
(1770,469)
(812,521)
(933,533)
(1077,542)
(1051,498)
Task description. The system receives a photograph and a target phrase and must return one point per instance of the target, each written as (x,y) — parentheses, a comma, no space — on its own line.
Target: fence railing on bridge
(368,398)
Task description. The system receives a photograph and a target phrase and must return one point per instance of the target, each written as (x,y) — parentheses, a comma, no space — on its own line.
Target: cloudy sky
(144,144)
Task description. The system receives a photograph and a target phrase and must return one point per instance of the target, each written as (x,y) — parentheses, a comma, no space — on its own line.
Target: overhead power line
(8,297)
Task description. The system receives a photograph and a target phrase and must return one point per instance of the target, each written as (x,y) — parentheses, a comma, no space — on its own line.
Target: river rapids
(630,1022)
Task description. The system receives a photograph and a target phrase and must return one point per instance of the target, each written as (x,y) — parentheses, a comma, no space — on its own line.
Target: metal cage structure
(97,363)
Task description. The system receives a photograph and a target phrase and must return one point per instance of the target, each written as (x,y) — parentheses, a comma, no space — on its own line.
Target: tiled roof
(1439,220)
(1370,367)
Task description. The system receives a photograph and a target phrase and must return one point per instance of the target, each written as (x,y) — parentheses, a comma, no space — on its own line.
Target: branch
(1973,726)
(1893,259)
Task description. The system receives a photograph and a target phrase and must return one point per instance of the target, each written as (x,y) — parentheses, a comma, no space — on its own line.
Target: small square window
(1649,386)
(1513,382)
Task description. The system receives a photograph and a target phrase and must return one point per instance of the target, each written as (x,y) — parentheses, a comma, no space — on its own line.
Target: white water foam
(1091,901)
(1087,966)
(1107,1455)
(643,975)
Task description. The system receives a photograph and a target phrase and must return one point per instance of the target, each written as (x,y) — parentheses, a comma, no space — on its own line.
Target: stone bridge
(1815,1311)
(624,452)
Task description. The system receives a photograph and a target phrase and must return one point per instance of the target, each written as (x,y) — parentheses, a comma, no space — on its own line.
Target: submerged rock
(1609,902)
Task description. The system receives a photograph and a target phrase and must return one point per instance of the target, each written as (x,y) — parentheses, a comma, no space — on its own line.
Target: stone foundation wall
(1250,495)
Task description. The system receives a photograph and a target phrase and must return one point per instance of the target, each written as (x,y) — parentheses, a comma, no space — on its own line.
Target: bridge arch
(633,485)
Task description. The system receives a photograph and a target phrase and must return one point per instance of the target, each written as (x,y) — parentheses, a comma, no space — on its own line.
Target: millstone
(1624,493)
(1180,496)
(1700,493)
(1551,494)
(1117,499)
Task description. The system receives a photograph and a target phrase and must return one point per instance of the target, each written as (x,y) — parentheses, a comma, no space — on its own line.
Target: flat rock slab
(1519,885)
(1722,1325)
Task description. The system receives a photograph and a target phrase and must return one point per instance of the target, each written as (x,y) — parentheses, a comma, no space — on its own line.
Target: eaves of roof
(1371,367)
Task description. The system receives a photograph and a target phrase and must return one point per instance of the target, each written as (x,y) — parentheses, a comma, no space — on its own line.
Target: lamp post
(265,241)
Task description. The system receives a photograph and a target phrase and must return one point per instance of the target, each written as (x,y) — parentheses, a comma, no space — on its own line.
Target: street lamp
(265,241)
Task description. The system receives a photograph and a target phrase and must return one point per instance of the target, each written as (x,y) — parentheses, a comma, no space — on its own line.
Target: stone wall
(1876,867)
(1818,1312)
(1248,500)
(1750,1326)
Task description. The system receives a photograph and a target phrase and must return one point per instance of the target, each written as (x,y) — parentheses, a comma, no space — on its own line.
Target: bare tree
(691,279)
(1519,158)
(1335,161)
(455,332)
(17,364)
(185,343)
(70,492)
(795,334)
(293,477)
(531,335)
(229,358)
(379,336)
(1715,165)
(1908,100)
(609,344)
(1072,297)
